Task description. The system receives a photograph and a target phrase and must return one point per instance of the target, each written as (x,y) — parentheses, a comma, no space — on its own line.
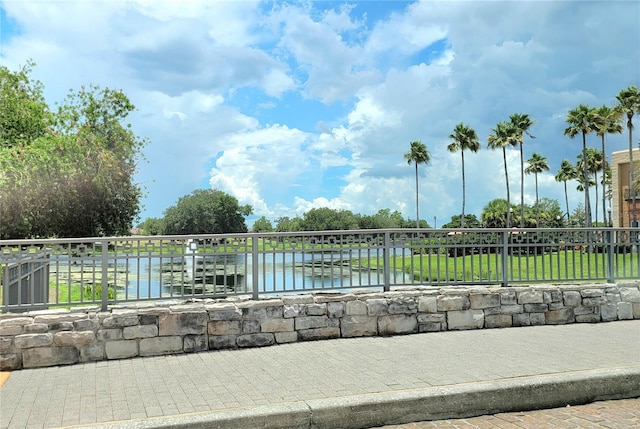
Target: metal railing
(109,271)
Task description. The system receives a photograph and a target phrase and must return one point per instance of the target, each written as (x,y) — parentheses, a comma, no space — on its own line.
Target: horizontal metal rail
(113,270)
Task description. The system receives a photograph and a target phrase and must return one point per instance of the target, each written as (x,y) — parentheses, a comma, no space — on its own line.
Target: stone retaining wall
(61,337)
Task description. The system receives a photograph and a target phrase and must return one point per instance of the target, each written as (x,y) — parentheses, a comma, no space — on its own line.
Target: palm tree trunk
(506,177)
(521,186)
(566,200)
(417,210)
(604,184)
(632,213)
(537,206)
(596,204)
(585,178)
(463,190)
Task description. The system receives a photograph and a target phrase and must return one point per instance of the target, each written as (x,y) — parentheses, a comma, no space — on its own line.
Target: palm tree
(537,164)
(595,163)
(581,120)
(495,213)
(607,122)
(521,123)
(464,138)
(567,172)
(501,138)
(418,154)
(628,104)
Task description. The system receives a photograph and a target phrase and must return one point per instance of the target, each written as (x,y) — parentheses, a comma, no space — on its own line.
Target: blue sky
(291,106)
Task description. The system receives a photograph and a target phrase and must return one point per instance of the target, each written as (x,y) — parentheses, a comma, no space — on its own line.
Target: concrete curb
(437,403)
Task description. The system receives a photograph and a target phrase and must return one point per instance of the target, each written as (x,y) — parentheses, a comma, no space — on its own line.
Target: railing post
(385,261)
(105,273)
(610,256)
(254,266)
(504,257)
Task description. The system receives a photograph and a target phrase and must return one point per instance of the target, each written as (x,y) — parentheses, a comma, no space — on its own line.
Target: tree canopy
(67,173)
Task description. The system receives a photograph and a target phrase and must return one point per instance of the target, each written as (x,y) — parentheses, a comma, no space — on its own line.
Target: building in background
(623,195)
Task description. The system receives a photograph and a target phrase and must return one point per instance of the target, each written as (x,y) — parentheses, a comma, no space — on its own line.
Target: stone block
(325,333)
(572,298)
(10,361)
(26,341)
(148,319)
(484,300)
(609,312)
(311,322)
(36,328)
(52,319)
(468,319)
(431,327)
(592,302)
(522,319)
(226,312)
(316,309)
(359,326)
(508,298)
(109,334)
(427,304)
(121,349)
(636,310)
(356,308)
(171,324)
(432,317)
(592,293)
(556,305)
(536,308)
(139,331)
(225,327)
(160,345)
(220,342)
(195,343)
(397,324)
(259,310)
(537,319)
(92,352)
(77,338)
(581,311)
(61,326)
(290,311)
(335,310)
(13,330)
(17,321)
(6,345)
(612,298)
(498,321)
(271,304)
(49,356)
(511,309)
(297,299)
(377,307)
(530,297)
(629,294)
(625,310)
(256,340)
(120,321)
(250,326)
(559,317)
(86,325)
(550,296)
(277,325)
(286,337)
(588,318)
(402,305)
(453,302)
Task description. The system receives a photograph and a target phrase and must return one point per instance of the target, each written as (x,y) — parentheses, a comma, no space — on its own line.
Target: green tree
(262,225)
(595,163)
(581,120)
(537,164)
(566,172)
(68,174)
(521,124)
(629,104)
(152,226)
(287,224)
(464,138)
(206,211)
(384,219)
(327,219)
(470,221)
(502,137)
(607,122)
(418,154)
(496,213)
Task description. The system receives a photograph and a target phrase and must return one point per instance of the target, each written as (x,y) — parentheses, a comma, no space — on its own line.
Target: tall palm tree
(418,154)
(537,164)
(521,123)
(567,172)
(628,104)
(595,163)
(501,137)
(607,122)
(581,121)
(464,138)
